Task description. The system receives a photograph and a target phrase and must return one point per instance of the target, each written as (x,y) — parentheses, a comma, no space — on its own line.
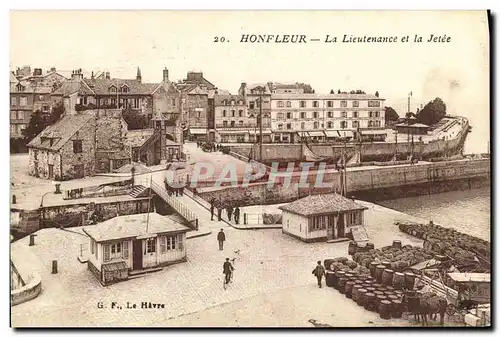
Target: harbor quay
(73,297)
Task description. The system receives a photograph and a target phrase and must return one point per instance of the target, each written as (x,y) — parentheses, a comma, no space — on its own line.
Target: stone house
(79,145)
(254,95)
(322,217)
(232,122)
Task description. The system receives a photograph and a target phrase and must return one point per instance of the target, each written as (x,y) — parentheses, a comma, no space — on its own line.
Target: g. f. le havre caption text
(345,38)
(130,305)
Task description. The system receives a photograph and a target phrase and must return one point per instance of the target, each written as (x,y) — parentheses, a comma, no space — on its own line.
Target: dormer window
(20,87)
(112,89)
(232,102)
(124,88)
(240,102)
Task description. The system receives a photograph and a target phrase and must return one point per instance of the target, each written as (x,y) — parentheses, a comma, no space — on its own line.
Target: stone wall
(28,292)
(40,166)
(191,105)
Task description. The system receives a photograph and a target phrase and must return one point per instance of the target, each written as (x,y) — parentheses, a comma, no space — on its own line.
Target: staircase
(137,190)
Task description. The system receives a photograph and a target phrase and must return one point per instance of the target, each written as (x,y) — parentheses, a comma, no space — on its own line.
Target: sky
(119,41)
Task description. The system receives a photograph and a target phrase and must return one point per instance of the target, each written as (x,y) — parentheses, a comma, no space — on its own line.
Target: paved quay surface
(268,262)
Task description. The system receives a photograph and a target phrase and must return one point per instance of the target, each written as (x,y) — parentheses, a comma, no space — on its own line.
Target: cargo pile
(396,257)
(447,241)
(346,265)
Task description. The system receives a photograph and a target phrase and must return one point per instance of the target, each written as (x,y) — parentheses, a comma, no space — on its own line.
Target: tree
(376,94)
(432,112)
(391,114)
(135,121)
(40,120)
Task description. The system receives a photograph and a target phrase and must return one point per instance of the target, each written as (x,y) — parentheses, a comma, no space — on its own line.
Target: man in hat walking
(319,272)
(221,237)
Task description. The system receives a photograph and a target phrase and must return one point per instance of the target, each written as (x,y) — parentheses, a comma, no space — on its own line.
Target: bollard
(54,267)
(197,224)
(58,189)
(32,239)
(14,199)
(245,219)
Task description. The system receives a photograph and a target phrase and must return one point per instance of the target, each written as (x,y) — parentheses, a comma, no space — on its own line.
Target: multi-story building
(197,106)
(232,121)
(254,95)
(293,88)
(319,117)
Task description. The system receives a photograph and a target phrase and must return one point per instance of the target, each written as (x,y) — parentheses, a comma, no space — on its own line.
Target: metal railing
(174,202)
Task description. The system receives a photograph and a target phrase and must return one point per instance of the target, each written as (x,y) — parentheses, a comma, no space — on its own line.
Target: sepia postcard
(250,169)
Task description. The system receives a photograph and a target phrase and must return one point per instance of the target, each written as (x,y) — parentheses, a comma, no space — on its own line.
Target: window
(280,116)
(107,256)
(370,124)
(125,249)
(13,129)
(77,146)
(116,250)
(198,114)
(315,114)
(280,126)
(224,124)
(329,125)
(173,101)
(377,114)
(329,104)
(92,246)
(13,101)
(223,113)
(355,104)
(20,87)
(171,242)
(23,101)
(41,97)
(317,223)
(344,114)
(316,125)
(343,124)
(13,115)
(355,124)
(233,113)
(355,114)
(330,114)
(252,105)
(303,115)
(151,245)
(373,104)
(288,115)
(302,125)
(289,126)
(232,102)
(124,89)
(288,104)
(303,104)
(240,113)
(371,113)
(280,104)
(241,123)
(232,124)
(240,102)
(112,89)
(343,104)
(163,244)
(315,104)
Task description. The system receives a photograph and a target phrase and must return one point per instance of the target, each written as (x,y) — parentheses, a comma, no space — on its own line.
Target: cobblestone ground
(269,261)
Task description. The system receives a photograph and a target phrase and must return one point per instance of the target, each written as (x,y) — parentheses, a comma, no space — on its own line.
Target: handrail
(176,204)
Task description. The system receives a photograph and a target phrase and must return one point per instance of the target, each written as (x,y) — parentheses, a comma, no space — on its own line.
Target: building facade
(232,121)
(320,117)
(255,95)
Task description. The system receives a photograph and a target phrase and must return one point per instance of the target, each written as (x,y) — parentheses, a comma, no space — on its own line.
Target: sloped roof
(130,226)
(220,99)
(13,77)
(416,125)
(136,138)
(321,204)
(327,96)
(29,88)
(71,87)
(101,86)
(61,131)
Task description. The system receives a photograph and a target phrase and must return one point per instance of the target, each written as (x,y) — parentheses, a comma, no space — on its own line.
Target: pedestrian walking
(227,270)
(229,211)
(212,210)
(221,237)
(237,215)
(219,212)
(319,272)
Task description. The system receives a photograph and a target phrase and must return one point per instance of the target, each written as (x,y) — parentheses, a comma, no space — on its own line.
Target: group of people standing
(173,190)
(211,147)
(232,213)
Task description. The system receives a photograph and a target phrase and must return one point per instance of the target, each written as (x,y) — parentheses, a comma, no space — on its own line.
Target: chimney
(165,75)
(53,69)
(243,89)
(107,75)
(77,75)
(37,72)
(139,77)
(92,75)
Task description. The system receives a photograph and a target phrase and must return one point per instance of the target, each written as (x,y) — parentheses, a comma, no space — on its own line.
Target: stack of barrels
(374,292)
(400,257)
(447,241)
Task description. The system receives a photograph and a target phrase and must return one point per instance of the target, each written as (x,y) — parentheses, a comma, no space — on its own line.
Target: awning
(331,134)
(316,134)
(266,132)
(198,131)
(232,132)
(374,132)
(344,134)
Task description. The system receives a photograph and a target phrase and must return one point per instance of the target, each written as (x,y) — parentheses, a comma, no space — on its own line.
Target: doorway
(137,255)
(330,228)
(340,226)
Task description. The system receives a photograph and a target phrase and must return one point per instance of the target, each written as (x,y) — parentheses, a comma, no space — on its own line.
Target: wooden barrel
(370,278)
(370,302)
(373,267)
(381,288)
(385,309)
(390,288)
(399,293)
(348,289)
(392,297)
(397,244)
(387,264)
(387,276)
(341,285)
(355,289)
(378,292)
(438,247)
(351,249)
(379,298)
(361,299)
(370,289)
(397,309)
(358,281)
(427,245)
(398,281)
(410,280)
(370,282)
(378,273)
(338,275)
(329,278)
(369,246)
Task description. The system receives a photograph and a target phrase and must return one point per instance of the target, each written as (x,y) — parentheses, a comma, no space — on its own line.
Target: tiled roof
(321,204)
(130,226)
(70,87)
(136,138)
(29,88)
(326,96)
(61,131)
(102,86)
(220,99)
(13,77)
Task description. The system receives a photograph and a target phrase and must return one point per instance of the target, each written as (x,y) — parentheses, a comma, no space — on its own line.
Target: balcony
(238,126)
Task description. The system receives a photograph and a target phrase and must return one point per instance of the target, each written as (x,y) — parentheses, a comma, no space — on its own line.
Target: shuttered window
(181,243)
(125,250)
(106,253)
(163,248)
